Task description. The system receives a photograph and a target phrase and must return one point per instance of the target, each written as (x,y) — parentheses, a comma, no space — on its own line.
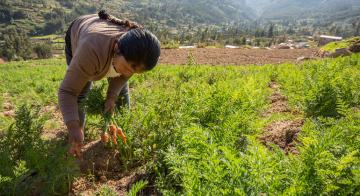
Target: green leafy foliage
(323,88)
(43,51)
(94,101)
(16,44)
(105,191)
(27,160)
(136,188)
(332,46)
(195,128)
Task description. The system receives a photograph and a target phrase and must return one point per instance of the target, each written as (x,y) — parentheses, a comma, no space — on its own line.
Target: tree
(356,27)
(43,50)
(5,12)
(243,41)
(53,26)
(271,30)
(16,44)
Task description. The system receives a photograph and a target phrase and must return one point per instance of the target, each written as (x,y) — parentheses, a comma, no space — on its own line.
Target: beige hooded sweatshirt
(92,44)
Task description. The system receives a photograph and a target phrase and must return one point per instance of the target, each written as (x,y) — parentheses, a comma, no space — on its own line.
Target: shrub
(43,50)
(17,44)
(27,160)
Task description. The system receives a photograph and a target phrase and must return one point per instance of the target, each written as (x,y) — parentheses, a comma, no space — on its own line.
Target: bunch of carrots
(113,131)
(94,105)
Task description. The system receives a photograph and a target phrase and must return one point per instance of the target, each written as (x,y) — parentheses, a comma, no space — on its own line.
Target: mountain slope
(170,13)
(330,10)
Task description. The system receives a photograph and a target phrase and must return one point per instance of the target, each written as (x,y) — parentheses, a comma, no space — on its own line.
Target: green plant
(105,190)
(43,51)
(137,187)
(190,59)
(27,160)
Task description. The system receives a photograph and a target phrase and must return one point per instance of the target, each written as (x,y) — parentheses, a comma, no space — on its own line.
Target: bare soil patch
(8,109)
(222,56)
(105,167)
(278,104)
(2,61)
(282,133)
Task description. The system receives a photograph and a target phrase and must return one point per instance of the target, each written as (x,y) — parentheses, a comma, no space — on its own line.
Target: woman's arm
(115,86)
(68,94)
(81,68)
(70,88)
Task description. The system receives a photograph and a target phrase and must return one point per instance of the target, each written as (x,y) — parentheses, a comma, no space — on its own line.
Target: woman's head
(138,45)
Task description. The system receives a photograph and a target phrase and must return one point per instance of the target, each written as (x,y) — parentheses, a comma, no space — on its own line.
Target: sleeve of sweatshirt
(82,66)
(115,86)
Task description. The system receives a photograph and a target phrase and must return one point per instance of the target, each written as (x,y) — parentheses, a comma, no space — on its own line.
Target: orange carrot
(113,137)
(104,137)
(121,134)
(112,130)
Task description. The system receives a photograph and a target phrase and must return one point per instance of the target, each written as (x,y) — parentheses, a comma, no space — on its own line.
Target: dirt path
(222,56)
(281,133)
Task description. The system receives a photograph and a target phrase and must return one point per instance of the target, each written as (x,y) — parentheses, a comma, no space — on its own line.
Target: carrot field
(288,129)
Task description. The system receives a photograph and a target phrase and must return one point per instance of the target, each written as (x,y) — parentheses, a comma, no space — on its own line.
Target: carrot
(104,137)
(113,137)
(112,130)
(121,134)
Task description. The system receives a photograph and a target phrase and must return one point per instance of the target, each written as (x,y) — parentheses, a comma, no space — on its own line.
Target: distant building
(231,46)
(324,39)
(186,47)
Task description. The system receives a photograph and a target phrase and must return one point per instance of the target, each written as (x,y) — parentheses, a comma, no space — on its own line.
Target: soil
(222,56)
(99,160)
(7,107)
(281,133)
(278,104)
(106,168)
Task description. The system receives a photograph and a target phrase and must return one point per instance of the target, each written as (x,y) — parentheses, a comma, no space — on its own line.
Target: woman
(99,46)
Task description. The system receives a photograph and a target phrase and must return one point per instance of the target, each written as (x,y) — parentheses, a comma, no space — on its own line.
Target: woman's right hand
(76,138)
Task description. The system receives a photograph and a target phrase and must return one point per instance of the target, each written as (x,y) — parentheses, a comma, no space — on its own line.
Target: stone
(341,52)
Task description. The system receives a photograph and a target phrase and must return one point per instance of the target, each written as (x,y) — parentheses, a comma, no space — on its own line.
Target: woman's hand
(76,138)
(109,105)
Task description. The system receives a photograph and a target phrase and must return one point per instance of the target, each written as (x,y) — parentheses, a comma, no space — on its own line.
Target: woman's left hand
(109,105)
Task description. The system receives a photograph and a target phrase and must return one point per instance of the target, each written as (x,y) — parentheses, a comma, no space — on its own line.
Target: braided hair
(105,16)
(137,45)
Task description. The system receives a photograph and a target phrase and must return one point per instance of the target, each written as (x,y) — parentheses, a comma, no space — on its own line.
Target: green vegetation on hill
(332,46)
(196,127)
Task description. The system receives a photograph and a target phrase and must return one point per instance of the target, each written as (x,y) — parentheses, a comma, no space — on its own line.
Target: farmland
(192,129)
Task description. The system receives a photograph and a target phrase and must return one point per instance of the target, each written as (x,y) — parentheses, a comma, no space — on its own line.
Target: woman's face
(126,68)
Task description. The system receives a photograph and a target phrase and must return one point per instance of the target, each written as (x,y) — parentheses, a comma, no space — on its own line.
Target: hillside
(41,17)
(35,14)
(328,10)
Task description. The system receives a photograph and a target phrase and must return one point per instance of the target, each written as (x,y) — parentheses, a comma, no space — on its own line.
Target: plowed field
(223,56)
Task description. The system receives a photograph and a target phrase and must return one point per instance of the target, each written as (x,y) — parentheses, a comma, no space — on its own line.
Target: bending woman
(99,46)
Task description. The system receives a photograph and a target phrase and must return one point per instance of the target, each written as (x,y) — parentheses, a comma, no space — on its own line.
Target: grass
(195,127)
(332,46)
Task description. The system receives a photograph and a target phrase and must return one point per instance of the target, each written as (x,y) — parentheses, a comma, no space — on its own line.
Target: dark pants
(123,98)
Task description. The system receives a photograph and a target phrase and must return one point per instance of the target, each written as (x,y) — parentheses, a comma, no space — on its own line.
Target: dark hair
(138,44)
(105,16)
